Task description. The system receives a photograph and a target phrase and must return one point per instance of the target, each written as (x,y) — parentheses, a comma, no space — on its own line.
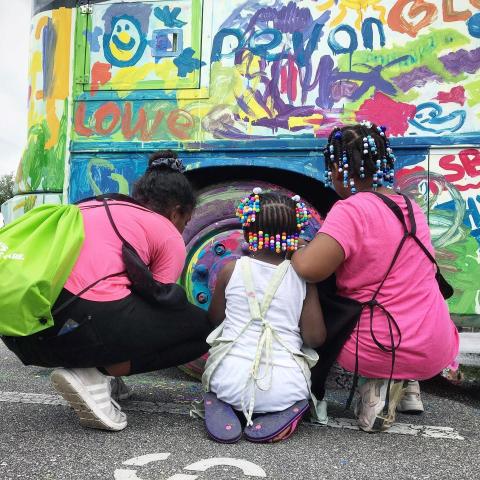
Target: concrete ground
(470,349)
(40,438)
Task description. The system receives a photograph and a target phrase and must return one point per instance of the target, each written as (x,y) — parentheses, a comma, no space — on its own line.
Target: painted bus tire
(214,237)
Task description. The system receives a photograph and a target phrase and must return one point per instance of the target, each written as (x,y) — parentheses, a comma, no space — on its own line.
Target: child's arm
(216,311)
(319,259)
(312,326)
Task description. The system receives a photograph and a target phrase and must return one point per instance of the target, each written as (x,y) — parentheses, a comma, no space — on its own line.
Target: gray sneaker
(120,391)
(371,401)
(88,393)
(411,401)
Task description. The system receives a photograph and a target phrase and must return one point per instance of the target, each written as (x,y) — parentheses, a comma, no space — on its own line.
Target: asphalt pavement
(40,438)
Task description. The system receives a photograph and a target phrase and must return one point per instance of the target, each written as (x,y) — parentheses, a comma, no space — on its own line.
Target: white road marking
(121,474)
(400,429)
(248,468)
(182,409)
(146,459)
(183,476)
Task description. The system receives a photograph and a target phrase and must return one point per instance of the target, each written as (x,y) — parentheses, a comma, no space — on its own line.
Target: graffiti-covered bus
(246,92)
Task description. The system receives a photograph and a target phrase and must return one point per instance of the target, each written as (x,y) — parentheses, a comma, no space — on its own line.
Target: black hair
(349,140)
(164,186)
(277,215)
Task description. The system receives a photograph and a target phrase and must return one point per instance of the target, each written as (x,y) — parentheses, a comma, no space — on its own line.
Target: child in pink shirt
(358,241)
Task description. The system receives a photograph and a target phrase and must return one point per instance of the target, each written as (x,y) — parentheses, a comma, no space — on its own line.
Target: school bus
(246,91)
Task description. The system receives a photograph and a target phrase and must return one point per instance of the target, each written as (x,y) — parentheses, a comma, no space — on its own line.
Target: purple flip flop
(273,427)
(221,422)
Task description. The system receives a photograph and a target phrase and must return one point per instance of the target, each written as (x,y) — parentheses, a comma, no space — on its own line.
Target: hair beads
(388,170)
(360,151)
(302,214)
(273,221)
(249,207)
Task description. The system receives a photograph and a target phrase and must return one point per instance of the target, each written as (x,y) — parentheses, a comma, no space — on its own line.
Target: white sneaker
(411,401)
(88,393)
(370,402)
(119,389)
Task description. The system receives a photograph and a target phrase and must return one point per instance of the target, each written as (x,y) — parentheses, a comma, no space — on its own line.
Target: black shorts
(130,329)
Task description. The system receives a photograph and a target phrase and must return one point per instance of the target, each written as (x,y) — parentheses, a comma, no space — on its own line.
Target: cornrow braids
(360,151)
(273,221)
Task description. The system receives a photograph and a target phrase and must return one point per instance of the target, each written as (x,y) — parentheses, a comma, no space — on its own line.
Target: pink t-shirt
(369,234)
(153,236)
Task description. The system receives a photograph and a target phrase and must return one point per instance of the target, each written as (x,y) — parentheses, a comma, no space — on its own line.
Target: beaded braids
(360,151)
(272,221)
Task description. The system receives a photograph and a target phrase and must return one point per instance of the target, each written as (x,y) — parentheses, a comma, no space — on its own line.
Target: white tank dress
(286,382)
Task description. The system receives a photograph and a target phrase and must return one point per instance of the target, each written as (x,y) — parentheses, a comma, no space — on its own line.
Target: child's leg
(221,421)
(273,427)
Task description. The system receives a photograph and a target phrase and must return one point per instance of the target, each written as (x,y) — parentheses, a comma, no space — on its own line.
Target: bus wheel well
(311,189)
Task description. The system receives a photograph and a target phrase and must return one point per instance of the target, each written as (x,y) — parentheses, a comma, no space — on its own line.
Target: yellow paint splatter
(42,23)
(473,93)
(62,19)
(61,73)
(312,120)
(42,107)
(166,71)
(359,6)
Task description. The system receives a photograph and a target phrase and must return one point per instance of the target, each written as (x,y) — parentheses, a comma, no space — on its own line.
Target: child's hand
(302,242)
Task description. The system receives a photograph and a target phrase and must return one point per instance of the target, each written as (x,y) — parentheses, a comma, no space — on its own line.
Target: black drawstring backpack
(342,314)
(141,278)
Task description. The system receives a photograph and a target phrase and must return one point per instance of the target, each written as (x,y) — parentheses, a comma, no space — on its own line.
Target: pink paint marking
(292,91)
(316,121)
(382,110)
(455,95)
(466,167)
(101,74)
(407,171)
(433,187)
(283,79)
(468,186)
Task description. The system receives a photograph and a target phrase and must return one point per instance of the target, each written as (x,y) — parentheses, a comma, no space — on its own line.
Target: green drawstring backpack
(37,254)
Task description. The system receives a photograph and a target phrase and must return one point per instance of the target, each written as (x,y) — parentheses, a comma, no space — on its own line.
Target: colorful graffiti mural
(225,81)
(279,68)
(453,215)
(43,162)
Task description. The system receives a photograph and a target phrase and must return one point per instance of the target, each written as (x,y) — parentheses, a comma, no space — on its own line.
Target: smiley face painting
(125,44)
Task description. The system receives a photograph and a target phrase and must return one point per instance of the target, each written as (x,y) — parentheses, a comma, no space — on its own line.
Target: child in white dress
(259,363)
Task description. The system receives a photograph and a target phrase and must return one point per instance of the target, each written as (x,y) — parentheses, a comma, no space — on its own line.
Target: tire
(214,237)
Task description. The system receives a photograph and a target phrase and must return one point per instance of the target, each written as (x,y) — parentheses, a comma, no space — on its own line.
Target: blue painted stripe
(272,144)
(96,168)
(86,171)
(112,96)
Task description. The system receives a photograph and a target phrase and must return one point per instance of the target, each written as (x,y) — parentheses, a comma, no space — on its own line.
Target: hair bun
(171,163)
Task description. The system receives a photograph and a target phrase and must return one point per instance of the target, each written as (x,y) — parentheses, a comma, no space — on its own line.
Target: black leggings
(150,336)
